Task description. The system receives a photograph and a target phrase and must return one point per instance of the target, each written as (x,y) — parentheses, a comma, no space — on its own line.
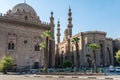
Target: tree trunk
(95,66)
(77,55)
(88,61)
(46,55)
(45,60)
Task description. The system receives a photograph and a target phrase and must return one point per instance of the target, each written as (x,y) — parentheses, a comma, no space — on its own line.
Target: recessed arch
(102,62)
(109,56)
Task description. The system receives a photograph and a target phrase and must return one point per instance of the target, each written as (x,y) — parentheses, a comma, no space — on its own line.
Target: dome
(23,7)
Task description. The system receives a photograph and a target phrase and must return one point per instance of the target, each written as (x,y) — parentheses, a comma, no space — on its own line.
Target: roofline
(11,21)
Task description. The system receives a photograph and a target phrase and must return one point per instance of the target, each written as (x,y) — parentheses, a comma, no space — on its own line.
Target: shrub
(67,63)
(117,56)
(5,64)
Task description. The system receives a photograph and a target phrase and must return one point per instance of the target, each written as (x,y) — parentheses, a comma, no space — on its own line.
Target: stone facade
(20,36)
(67,50)
(104,54)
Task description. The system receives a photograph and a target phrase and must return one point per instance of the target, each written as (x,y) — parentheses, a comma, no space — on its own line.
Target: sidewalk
(79,77)
(72,73)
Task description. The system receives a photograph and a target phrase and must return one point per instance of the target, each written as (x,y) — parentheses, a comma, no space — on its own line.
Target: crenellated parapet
(110,39)
(95,32)
(14,18)
(45,23)
(17,19)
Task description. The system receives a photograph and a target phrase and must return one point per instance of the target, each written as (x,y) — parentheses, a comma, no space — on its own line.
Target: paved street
(53,77)
(110,76)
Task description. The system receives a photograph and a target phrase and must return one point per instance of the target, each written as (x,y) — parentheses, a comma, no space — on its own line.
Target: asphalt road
(109,76)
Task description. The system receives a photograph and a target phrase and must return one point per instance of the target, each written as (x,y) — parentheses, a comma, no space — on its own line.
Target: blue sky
(103,15)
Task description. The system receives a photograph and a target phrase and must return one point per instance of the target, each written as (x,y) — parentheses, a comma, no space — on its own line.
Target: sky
(88,15)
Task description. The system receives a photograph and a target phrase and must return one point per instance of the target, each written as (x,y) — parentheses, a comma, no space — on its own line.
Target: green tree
(5,64)
(93,47)
(117,56)
(88,59)
(75,41)
(48,36)
(66,64)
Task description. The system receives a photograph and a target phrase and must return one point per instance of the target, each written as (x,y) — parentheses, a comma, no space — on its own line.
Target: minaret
(52,43)
(58,32)
(57,59)
(52,23)
(69,23)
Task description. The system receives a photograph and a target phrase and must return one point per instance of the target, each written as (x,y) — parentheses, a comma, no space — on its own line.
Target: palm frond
(93,46)
(72,41)
(88,55)
(76,39)
(47,34)
(42,45)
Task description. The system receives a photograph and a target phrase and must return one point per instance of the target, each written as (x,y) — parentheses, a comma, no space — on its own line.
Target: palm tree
(43,46)
(88,59)
(48,36)
(93,47)
(75,41)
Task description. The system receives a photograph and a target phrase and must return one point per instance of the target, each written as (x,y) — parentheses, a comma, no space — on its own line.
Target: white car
(111,68)
(117,69)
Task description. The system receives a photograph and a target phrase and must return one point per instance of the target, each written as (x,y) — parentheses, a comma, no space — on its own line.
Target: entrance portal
(36,65)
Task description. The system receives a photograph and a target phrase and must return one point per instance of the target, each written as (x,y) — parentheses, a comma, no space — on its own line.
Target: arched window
(11,46)
(26,18)
(37,47)
(18,10)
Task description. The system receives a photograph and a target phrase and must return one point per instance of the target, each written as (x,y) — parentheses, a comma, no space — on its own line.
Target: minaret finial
(69,6)
(58,23)
(69,3)
(58,20)
(24,1)
(52,18)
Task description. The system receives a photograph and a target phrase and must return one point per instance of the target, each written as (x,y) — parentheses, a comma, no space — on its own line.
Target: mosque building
(66,50)
(20,36)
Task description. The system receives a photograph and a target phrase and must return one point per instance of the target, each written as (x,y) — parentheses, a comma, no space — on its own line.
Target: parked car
(117,69)
(111,68)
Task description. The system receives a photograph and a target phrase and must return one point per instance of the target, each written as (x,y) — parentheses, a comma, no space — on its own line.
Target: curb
(76,77)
